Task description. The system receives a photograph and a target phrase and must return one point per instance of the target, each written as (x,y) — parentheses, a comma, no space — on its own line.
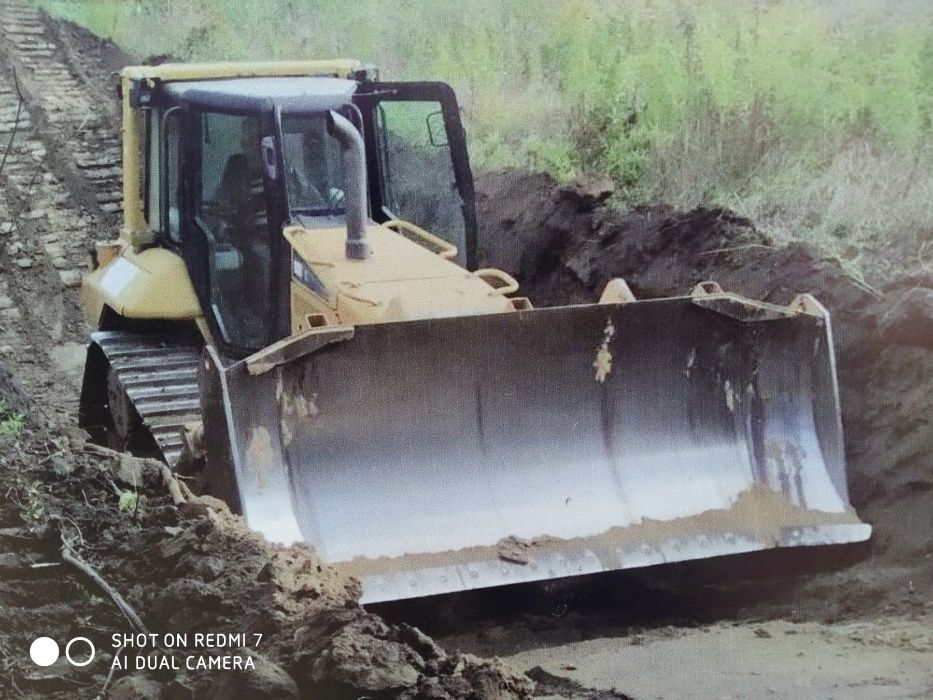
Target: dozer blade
(442,455)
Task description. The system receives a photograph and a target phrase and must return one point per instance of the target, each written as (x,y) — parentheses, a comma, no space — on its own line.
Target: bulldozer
(296,281)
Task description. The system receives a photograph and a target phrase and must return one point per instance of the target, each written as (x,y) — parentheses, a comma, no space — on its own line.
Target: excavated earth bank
(565,243)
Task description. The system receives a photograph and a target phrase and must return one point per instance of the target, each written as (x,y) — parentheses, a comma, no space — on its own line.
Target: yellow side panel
(151,284)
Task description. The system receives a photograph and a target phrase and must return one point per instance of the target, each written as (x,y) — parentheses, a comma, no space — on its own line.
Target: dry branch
(176,489)
(76,561)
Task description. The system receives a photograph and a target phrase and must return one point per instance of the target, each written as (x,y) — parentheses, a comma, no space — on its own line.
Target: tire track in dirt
(79,123)
(61,192)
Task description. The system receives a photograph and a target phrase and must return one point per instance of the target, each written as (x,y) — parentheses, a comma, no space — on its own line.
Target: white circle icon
(90,657)
(44,651)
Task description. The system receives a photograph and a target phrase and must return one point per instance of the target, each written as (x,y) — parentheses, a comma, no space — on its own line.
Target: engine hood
(399,281)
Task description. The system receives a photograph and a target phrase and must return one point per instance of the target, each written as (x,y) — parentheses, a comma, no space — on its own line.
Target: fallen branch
(100,450)
(737,247)
(186,490)
(176,488)
(77,562)
(71,522)
(19,111)
(103,691)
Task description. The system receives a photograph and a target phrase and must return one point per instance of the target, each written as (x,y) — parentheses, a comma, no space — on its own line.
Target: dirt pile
(186,565)
(564,243)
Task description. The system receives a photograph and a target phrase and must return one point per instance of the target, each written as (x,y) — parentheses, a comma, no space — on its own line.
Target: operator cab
(231,162)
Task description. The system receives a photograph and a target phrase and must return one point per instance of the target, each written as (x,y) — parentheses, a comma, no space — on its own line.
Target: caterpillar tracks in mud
(44,226)
(78,125)
(141,392)
(61,186)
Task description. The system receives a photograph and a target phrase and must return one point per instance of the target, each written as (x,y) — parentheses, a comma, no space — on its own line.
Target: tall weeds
(813,116)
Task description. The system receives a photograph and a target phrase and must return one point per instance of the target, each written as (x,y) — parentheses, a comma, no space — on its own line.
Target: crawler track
(80,122)
(161,379)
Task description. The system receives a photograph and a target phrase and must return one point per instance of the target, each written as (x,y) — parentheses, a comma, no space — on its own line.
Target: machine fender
(152,284)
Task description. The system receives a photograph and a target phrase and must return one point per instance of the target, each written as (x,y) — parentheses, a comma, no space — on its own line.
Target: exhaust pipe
(354,166)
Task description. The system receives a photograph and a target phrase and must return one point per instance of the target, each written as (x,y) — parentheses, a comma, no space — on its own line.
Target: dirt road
(776,659)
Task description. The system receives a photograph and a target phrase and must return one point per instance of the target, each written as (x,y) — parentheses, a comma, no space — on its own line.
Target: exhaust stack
(354,166)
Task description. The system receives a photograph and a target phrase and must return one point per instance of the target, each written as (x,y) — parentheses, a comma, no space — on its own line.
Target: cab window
(313,166)
(162,203)
(172,176)
(152,207)
(417,172)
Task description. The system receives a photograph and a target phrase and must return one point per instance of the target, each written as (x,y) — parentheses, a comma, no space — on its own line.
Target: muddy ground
(185,565)
(819,624)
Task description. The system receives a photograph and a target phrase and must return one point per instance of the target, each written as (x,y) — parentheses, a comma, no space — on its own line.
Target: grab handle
(445,249)
(509,286)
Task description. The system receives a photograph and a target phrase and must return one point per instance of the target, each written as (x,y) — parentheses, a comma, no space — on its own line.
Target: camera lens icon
(44,651)
(90,656)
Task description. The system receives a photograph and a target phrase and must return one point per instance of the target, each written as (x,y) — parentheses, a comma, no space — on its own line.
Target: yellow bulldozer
(297,274)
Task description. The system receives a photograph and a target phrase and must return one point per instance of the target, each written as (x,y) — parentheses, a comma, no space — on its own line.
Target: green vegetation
(811,116)
(11,422)
(31,509)
(128,501)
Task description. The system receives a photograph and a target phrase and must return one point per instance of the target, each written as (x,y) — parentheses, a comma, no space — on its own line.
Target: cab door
(418,165)
(231,231)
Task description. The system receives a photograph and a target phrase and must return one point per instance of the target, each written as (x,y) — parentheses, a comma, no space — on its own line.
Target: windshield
(313,165)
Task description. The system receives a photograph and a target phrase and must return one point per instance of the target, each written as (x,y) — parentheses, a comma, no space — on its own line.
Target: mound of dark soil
(186,565)
(13,399)
(564,243)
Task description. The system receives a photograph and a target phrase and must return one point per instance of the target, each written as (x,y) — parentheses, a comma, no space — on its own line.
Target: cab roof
(315,92)
(245,85)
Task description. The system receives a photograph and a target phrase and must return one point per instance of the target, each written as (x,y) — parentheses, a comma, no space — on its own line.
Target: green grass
(11,422)
(789,111)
